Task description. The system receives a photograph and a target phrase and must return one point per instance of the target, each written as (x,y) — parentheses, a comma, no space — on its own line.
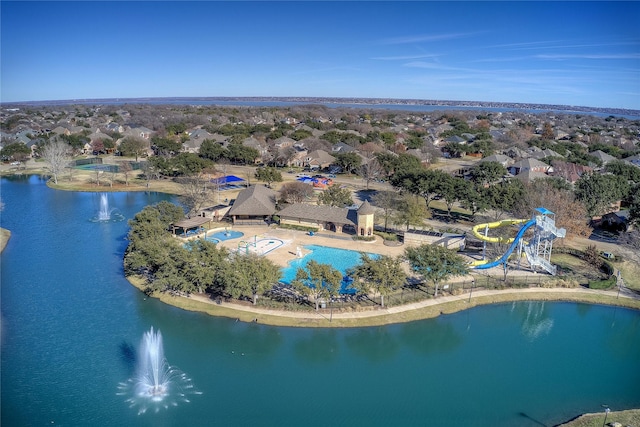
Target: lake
(71,324)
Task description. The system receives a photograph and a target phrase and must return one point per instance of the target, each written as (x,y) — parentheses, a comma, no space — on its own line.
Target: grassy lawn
(630,271)
(626,418)
(576,268)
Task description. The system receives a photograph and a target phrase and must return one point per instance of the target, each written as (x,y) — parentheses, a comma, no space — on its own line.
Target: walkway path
(555,292)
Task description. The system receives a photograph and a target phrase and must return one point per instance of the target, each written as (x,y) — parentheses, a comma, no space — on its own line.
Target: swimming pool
(221,236)
(340,259)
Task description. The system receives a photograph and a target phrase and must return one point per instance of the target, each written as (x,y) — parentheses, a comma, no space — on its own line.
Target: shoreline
(421,310)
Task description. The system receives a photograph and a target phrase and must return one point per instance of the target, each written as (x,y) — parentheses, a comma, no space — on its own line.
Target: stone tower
(365,219)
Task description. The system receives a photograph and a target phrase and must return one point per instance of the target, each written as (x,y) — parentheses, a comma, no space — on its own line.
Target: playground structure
(537,250)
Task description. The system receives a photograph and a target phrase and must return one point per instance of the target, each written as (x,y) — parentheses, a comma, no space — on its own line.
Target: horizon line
(396,101)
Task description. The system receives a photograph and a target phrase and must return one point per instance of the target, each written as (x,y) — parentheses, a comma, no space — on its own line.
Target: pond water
(71,324)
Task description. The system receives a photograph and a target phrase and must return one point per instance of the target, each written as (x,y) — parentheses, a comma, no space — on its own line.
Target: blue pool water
(224,235)
(340,259)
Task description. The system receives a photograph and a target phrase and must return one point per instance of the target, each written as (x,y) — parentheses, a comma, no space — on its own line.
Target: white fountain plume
(156,384)
(104,214)
(153,371)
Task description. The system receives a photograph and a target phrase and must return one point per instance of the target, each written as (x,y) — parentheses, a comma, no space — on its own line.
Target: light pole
(606,412)
(473,282)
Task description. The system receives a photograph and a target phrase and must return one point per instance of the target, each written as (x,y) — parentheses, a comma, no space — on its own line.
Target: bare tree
(126,169)
(295,192)
(194,193)
(58,154)
(370,171)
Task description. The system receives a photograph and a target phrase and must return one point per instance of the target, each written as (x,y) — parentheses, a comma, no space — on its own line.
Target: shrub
(603,284)
(390,237)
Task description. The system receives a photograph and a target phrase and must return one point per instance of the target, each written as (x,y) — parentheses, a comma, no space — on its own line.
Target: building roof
(255,200)
(602,156)
(320,157)
(191,222)
(500,158)
(366,208)
(320,213)
(529,164)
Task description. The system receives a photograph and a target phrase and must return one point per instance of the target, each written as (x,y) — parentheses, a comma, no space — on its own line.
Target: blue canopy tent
(228,182)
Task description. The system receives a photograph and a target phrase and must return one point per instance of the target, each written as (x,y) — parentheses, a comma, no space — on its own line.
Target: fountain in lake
(105,212)
(156,384)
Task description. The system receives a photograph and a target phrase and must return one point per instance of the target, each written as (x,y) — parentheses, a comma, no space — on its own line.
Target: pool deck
(293,239)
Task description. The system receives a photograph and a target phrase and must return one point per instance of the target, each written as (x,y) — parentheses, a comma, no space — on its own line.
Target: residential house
(529,175)
(319,159)
(571,172)
(547,152)
(283,142)
(342,148)
(114,127)
(503,159)
(196,137)
(532,165)
(634,160)
(263,149)
(602,156)
(139,132)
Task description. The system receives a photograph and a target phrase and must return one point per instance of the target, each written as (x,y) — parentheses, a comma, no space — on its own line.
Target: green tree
(597,192)
(487,172)
(212,150)
(268,175)
(456,150)
(15,151)
(634,206)
(410,212)
(335,196)
(504,197)
(451,189)
(189,164)
(472,198)
(131,146)
(348,161)
(250,275)
(239,153)
(388,138)
(387,201)
(299,134)
(625,170)
(332,136)
(382,275)
(435,263)
(424,183)
(150,244)
(318,280)
(165,146)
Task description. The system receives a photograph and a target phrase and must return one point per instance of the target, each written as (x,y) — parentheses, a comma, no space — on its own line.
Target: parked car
(15,163)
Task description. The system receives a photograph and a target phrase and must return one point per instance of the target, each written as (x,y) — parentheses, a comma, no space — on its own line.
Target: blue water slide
(507,254)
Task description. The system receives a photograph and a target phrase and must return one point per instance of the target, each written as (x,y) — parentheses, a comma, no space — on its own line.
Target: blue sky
(571,53)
